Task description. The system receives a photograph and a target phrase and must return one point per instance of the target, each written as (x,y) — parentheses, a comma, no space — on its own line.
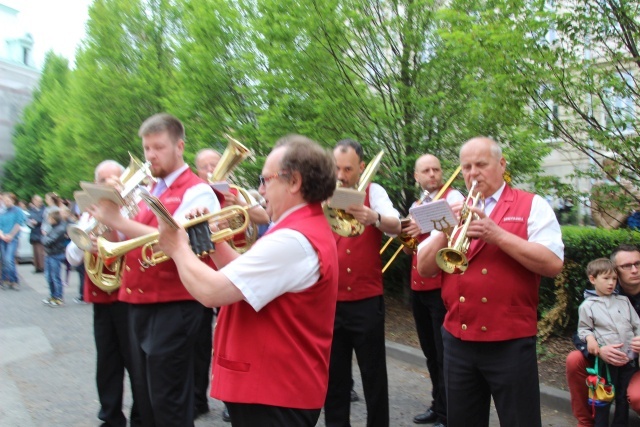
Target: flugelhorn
(407,240)
(136,173)
(105,276)
(232,156)
(340,221)
(453,258)
(199,225)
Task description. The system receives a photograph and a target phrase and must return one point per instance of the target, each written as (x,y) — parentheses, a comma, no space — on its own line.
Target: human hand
(612,355)
(593,347)
(231,199)
(483,227)
(363,214)
(412,229)
(172,241)
(635,344)
(105,212)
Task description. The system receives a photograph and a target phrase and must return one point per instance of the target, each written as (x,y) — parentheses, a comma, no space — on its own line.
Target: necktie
(159,188)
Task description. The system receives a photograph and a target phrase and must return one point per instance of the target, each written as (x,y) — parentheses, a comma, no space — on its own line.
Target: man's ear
(295,182)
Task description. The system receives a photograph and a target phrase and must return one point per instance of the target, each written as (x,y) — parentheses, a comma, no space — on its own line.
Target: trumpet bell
(341,222)
(452,261)
(80,237)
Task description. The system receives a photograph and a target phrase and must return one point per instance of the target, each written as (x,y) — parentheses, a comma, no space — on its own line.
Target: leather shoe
(427,417)
(354,396)
(225,415)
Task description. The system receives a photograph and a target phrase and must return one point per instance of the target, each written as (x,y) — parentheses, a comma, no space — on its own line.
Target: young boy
(607,318)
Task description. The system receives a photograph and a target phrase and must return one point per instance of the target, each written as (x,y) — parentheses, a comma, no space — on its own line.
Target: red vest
(496,298)
(94,294)
(279,356)
(418,282)
(160,283)
(360,274)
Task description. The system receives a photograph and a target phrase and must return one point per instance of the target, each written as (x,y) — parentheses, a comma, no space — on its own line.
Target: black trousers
(163,338)
(476,371)
(620,377)
(111,334)
(202,360)
(429,312)
(359,326)
(253,415)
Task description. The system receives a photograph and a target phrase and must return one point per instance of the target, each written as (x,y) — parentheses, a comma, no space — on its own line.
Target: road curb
(551,397)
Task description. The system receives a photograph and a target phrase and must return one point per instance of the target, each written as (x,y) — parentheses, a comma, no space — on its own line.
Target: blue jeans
(52,274)
(9,273)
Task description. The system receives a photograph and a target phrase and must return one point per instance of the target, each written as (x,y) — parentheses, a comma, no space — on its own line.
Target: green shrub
(561,296)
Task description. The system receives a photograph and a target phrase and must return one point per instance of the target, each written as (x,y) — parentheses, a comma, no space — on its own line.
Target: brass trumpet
(136,173)
(149,257)
(453,258)
(340,221)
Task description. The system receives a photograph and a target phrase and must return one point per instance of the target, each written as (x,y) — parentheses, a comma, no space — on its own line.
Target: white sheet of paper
(99,191)
(344,197)
(221,186)
(434,215)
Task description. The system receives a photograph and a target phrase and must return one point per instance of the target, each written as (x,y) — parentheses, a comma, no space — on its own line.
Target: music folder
(158,208)
(100,191)
(431,216)
(344,197)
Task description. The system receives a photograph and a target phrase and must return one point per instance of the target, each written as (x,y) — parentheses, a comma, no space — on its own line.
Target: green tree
(28,173)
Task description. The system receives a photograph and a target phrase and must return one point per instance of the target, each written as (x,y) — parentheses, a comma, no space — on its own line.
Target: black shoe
(38,271)
(428,417)
(225,415)
(354,396)
(439,424)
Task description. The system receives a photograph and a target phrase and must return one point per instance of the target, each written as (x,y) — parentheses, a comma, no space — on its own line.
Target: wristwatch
(377,223)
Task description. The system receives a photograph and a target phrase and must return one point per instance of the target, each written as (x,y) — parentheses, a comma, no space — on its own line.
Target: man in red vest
(110,326)
(627,261)
(206,162)
(359,322)
(490,330)
(163,318)
(273,336)
(428,309)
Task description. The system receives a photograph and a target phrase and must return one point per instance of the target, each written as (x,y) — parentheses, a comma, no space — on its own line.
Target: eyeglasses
(262,180)
(627,267)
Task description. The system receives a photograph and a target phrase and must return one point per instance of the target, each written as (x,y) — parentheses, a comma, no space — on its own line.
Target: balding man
(110,326)
(428,309)
(489,331)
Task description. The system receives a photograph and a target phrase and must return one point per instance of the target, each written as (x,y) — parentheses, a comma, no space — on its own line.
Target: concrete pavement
(47,368)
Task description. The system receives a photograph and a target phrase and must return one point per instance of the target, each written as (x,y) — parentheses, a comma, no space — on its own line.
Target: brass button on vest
(129,291)
(484,271)
(462,299)
(484,329)
(483,300)
(464,327)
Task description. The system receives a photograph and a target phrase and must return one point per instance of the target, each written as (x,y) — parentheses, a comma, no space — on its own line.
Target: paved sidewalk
(47,368)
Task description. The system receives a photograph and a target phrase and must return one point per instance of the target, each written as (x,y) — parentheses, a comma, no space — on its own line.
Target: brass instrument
(453,258)
(405,239)
(340,221)
(232,156)
(149,257)
(136,173)
(109,280)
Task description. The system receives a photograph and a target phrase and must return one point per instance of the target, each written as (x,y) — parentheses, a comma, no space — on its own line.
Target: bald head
(206,162)
(428,173)
(482,161)
(108,169)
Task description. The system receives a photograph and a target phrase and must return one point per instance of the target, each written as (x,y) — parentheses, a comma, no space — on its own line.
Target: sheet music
(100,191)
(434,215)
(158,208)
(83,200)
(344,197)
